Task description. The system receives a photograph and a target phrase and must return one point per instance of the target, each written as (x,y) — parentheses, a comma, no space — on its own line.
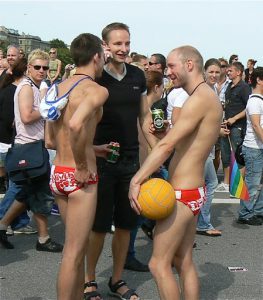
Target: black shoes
(134,265)
(49,246)
(4,241)
(254,221)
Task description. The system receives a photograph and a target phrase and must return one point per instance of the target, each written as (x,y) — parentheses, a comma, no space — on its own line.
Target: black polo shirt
(236,101)
(121,110)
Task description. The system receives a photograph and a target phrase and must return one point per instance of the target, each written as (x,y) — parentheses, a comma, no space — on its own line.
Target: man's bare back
(82,95)
(74,175)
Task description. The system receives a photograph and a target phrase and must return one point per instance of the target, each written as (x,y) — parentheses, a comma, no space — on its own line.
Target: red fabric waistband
(190,194)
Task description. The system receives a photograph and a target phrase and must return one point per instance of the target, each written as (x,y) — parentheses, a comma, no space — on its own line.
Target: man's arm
(232,120)
(188,120)
(25,102)
(255,120)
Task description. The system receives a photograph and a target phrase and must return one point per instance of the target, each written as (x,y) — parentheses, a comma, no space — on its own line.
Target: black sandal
(93,294)
(114,287)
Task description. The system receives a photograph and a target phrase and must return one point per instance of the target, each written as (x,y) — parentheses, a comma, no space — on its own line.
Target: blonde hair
(37,54)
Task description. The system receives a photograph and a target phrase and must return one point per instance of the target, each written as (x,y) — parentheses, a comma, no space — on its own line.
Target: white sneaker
(9,231)
(25,230)
(222,187)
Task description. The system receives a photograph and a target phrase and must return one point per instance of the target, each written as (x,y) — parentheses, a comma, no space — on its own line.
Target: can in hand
(158,119)
(113,156)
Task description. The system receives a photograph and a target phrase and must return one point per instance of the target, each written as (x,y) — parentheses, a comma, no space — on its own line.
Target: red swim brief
(194,199)
(62,181)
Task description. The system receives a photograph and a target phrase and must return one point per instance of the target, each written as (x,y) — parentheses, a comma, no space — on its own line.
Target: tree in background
(63,52)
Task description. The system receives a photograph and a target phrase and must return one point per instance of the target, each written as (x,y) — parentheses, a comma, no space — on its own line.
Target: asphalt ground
(27,274)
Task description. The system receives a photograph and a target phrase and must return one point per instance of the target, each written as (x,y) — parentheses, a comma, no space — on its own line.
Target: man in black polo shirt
(236,97)
(126,85)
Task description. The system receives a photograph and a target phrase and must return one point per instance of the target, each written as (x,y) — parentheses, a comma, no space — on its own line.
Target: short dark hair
(84,47)
(212,62)
(160,59)
(113,26)
(257,73)
(239,66)
(232,57)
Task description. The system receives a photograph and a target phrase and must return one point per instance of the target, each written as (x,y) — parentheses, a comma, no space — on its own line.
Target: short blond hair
(189,52)
(37,54)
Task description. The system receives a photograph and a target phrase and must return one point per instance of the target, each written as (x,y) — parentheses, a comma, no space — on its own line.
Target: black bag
(27,162)
(162,103)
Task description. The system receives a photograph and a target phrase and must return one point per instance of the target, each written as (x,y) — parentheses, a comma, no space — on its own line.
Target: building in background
(25,41)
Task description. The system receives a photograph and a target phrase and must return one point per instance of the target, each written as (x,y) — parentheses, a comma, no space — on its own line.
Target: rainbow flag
(237,185)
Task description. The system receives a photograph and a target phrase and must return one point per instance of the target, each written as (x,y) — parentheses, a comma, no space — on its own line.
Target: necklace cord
(197,87)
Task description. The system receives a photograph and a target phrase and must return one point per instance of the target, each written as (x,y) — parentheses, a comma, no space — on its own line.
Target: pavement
(27,274)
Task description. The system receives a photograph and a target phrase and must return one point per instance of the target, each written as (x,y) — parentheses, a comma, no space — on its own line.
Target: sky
(215,28)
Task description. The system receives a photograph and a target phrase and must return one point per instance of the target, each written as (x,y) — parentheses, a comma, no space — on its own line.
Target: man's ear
(190,64)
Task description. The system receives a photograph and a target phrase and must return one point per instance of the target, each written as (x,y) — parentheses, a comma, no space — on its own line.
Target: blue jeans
(7,201)
(161,173)
(204,222)
(236,137)
(254,169)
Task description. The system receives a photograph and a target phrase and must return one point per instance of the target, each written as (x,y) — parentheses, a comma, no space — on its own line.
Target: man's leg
(94,249)
(79,218)
(15,210)
(254,167)
(173,242)
(22,219)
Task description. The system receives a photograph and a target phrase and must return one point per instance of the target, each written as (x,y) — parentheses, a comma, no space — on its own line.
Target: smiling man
(192,137)
(126,103)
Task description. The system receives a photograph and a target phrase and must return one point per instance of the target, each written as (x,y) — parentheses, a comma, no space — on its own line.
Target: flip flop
(210,232)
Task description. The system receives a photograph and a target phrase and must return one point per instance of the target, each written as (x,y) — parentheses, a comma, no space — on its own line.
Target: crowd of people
(107,98)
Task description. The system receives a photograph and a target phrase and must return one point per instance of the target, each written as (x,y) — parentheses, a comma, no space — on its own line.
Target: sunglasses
(52,52)
(152,63)
(37,67)
(223,66)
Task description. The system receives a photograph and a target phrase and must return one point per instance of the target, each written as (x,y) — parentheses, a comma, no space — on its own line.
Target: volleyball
(156,198)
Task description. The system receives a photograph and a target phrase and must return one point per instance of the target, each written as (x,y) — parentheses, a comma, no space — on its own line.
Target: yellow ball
(156,198)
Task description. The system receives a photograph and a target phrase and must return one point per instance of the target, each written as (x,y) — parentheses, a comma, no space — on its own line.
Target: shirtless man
(192,136)
(74,173)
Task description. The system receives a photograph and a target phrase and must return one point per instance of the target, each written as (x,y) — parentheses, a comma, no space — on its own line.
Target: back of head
(160,59)
(37,54)
(153,78)
(113,26)
(84,47)
(190,53)
(257,74)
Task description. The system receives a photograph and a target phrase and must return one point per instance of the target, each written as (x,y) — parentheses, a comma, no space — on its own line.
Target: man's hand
(160,134)
(83,175)
(133,196)
(231,121)
(224,132)
(102,150)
